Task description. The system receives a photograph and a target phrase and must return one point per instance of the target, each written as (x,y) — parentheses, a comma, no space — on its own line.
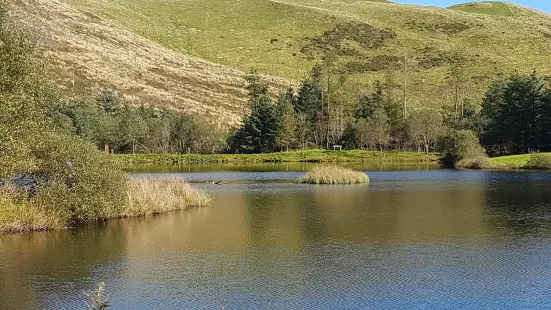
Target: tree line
(119,128)
(514,116)
(327,108)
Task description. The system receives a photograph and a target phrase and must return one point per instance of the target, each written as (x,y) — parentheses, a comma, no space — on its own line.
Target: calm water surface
(412,239)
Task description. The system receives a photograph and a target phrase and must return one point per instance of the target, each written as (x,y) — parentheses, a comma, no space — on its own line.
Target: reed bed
(333,175)
(149,197)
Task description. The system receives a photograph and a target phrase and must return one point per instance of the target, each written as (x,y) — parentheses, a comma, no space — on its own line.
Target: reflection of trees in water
(519,208)
(44,260)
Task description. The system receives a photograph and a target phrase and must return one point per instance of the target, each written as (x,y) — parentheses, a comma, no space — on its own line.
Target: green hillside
(486,7)
(285,37)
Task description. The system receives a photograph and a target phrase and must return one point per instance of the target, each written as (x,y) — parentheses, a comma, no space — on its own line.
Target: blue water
(421,239)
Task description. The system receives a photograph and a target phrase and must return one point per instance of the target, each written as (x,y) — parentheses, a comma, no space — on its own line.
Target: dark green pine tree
(369,103)
(257,135)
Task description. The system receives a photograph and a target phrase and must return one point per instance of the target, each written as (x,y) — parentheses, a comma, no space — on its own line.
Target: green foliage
(124,129)
(30,142)
(467,145)
(258,133)
(287,122)
(425,126)
(485,7)
(310,155)
(539,161)
(100,187)
(517,113)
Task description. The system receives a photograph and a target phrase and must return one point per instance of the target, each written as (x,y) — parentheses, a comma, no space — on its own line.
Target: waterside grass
(523,161)
(145,197)
(150,197)
(333,175)
(293,156)
(476,163)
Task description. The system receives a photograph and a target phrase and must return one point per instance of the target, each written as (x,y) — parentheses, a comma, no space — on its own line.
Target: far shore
(291,156)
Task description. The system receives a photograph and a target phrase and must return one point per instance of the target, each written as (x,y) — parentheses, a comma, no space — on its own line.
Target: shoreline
(145,197)
(306,156)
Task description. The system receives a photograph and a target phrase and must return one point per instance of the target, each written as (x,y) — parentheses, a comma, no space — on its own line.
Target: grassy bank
(333,175)
(145,197)
(511,162)
(294,156)
(523,161)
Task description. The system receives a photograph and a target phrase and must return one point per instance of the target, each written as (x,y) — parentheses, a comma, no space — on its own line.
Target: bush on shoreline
(333,175)
(539,161)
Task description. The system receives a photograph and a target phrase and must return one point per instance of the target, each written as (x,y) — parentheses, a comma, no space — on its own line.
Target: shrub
(467,145)
(333,175)
(539,161)
(480,162)
(100,186)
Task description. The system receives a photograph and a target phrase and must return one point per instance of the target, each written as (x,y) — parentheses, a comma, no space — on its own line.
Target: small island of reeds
(333,175)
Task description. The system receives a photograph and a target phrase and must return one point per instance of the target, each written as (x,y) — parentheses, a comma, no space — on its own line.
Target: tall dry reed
(148,197)
(333,175)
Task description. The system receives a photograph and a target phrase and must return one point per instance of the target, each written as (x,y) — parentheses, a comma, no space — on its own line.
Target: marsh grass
(19,215)
(333,175)
(149,197)
(477,163)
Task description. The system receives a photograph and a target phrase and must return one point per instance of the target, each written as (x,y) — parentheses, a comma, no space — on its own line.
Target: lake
(417,237)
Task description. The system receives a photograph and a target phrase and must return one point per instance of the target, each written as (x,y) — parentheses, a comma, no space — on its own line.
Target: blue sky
(543,5)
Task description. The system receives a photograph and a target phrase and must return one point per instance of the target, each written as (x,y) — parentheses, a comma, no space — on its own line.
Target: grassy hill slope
(283,38)
(85,53)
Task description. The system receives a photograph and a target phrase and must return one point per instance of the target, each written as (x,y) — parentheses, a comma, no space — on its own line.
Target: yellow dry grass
(149,197)
(85,53)
(20,215)
(334,175)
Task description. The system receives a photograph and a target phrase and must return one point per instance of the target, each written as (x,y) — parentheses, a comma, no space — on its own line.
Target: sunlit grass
(22,215)
(333,175)
(145,197)
(269,36)
(292,156)
(485,7)
(513,161)
(149,197)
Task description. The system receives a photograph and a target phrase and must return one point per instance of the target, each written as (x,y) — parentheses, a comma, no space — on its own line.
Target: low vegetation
(71,181)
(539,161)
(486,8)
(150,197)
(333,175)
(270,35)
(291,156)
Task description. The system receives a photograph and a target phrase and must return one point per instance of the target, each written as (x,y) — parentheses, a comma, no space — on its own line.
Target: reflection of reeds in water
(148,197)
(334,175)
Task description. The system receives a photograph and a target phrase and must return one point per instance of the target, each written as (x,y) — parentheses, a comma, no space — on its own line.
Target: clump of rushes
(333,175)
(149,197)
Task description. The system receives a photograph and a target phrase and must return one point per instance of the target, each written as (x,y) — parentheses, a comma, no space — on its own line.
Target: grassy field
(513,161)
(294,156)
(285,37)
(485,7)
(524,161)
